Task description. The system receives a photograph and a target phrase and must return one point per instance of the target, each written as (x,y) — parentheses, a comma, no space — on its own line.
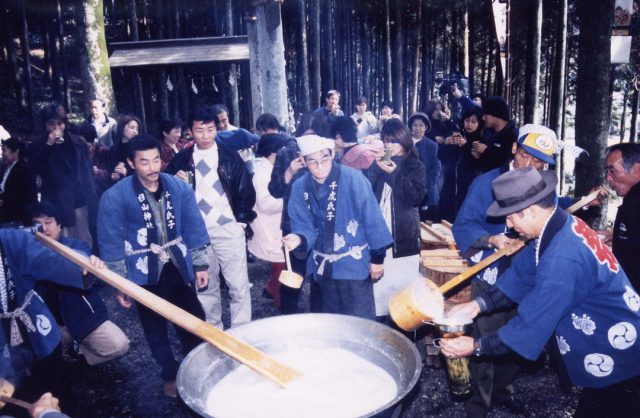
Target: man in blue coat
(570,288)
(335,216)
(478,236)
(81,313)
(26,321)
(151,232)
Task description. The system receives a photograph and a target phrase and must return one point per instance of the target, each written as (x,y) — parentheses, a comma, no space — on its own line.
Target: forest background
(398,50)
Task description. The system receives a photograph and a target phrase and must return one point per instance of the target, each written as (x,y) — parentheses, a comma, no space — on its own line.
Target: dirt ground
(131,387)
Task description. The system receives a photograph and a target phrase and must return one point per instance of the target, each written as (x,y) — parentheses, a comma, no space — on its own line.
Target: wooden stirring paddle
(6,391)
(243,352)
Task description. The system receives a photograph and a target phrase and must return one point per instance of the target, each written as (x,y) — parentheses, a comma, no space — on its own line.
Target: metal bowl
(205,365)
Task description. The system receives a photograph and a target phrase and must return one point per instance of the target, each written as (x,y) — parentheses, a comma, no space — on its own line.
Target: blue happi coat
(358,223)
(472,223)
(25,262)
(568,285)
(122,226)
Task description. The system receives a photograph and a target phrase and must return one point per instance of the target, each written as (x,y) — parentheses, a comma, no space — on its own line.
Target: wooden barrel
(440,266)
(436,236)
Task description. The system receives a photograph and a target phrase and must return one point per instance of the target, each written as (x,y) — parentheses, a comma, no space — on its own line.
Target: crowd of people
(179,212)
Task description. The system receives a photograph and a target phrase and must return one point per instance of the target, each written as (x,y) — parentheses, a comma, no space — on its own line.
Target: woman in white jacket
(266,242)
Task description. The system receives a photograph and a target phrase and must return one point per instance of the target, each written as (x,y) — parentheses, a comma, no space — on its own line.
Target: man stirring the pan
(567,285)
(151,232)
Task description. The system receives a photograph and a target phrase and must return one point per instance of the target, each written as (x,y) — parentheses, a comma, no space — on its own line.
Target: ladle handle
(515,246)
(287,259)
(584,201)
(510,249)
(18,402)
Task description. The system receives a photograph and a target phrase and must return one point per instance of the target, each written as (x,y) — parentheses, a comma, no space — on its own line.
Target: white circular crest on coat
(563,345)
(622,335)
(43,324)
(632,299)
(142,264)
(477,256)
(490,275)
(142,237)
(599,365)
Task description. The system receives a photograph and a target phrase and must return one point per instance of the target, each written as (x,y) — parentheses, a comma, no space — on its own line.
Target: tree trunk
(8,56)
(52,28)
(417,58)
(44,20)
(466,63)
(254,69)
(426,74)
(472,44)
(66,96)
(633,136)
(557,90)
(328,51)
(388,92)
(454,49)
(556,101)
(592,116)
(272,63)
(26,61)
(398,61)
(96,73)
(316,80)
(303,56)
(623,118)
(366,41)
(233,69)
(533,63)
(137,82)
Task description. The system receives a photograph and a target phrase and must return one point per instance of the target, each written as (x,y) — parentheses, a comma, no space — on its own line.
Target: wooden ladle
(407,316)
(243,352)
(288,277)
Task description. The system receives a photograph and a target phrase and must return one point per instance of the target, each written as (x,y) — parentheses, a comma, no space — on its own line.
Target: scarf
(8,297)
(156,252)
(8,303)
(323,200)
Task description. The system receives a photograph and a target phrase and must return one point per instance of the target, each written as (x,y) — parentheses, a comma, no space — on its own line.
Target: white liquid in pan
(336,383)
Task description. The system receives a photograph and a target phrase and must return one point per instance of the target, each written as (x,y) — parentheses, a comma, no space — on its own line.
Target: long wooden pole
(508,250)
(244,353)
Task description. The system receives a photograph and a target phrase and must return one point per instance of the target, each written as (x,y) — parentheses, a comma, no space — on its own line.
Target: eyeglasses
(324,161)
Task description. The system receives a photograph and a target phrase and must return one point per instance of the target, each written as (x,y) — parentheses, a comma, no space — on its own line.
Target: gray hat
(520,188)
(423,117)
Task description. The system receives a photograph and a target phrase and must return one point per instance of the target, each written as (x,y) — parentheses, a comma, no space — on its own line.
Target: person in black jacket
(128,127)
(61,160)
(497,118)
(81,313)
(17,190)
(400,185)
(225,196)
(622,169)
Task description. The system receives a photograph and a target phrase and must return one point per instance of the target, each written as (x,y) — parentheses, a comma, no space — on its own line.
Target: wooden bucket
(440,266)
(436,236)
